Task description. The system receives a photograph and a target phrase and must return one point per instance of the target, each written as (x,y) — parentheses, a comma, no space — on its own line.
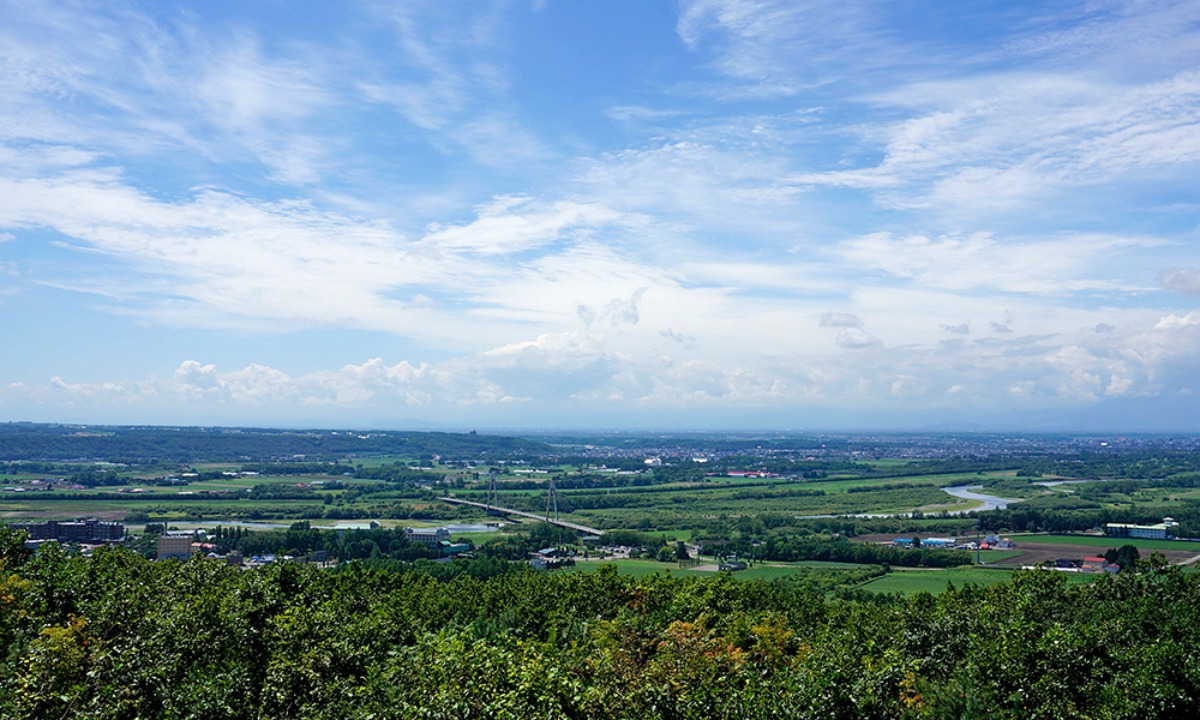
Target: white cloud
(218,260)
(840,319)
(583,372)
(1175,322)
(515,224)
(246,92)
(226,259)
(1057,265)
(1184,280)
(446,77)
(697,185)
(995,143)
(635,113)
(1130,38)
(779,48)
(748,236)
(856,338)
(140,87)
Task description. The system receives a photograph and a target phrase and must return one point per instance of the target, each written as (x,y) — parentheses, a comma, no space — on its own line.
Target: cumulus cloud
(1183,280)
(625,312)
(1174,322)
(583,373)
(687,341)
(194,374)
(959,329)
(853,338)
(840,319)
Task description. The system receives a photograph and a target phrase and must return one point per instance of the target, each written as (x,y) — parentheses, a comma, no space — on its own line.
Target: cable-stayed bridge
(519,513)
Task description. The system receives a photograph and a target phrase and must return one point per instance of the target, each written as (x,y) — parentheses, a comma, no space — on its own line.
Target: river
(990,502)
(967,492)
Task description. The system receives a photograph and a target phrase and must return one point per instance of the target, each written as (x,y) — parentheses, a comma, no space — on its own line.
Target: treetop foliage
(118,636)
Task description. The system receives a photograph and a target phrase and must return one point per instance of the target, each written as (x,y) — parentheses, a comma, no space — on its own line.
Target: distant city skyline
(631,214)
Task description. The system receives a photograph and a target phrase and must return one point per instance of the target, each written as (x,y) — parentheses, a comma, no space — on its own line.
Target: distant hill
(50,442)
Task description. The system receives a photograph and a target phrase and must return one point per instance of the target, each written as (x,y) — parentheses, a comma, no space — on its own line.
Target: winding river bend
(967,492)
(990,502)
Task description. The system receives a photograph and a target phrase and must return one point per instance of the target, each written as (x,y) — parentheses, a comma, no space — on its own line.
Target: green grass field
(904,581)
(909,581)
(934,581)
(769,571)
(779,572)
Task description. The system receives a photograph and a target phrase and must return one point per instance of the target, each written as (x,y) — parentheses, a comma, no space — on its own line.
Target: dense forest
(118,636)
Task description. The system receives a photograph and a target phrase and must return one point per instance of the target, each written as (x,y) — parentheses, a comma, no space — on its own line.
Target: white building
(1164,530)
(428,536)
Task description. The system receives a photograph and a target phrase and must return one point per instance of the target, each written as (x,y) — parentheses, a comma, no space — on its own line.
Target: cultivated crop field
(1183,546)
(1034,549)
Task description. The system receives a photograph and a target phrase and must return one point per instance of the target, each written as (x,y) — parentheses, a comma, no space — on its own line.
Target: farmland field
(1107,542)
(906,582)
(909,581)
(640,568)
(1034,549)
(820,576)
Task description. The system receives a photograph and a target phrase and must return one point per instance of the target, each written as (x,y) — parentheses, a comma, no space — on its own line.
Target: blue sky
(619,214)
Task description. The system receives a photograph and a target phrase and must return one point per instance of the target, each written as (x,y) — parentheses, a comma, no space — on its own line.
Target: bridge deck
(509,511)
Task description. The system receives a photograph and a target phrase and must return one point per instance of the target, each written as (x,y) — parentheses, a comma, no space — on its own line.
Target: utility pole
(978,540)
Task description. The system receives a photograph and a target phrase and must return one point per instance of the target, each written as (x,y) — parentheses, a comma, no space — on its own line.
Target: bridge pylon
(551,500)
(493,499)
